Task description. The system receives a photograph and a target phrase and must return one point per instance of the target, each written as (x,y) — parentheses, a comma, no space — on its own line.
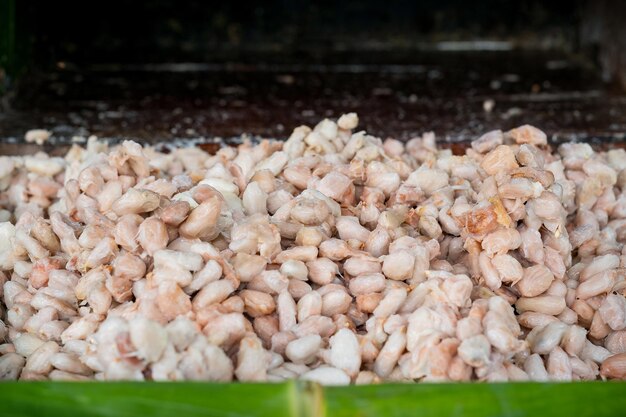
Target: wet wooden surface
(398,95)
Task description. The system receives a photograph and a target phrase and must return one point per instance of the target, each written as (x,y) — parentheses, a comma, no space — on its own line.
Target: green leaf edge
(306,399)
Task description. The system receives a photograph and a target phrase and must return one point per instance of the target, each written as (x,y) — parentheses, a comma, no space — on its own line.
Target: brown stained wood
(395,95)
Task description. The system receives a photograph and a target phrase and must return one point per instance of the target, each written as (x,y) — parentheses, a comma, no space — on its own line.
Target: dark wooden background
(159,70)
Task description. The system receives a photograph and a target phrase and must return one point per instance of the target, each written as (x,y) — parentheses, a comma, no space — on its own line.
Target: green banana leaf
(297,399)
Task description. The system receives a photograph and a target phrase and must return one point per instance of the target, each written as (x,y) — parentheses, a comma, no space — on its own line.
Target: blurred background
(164,69)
